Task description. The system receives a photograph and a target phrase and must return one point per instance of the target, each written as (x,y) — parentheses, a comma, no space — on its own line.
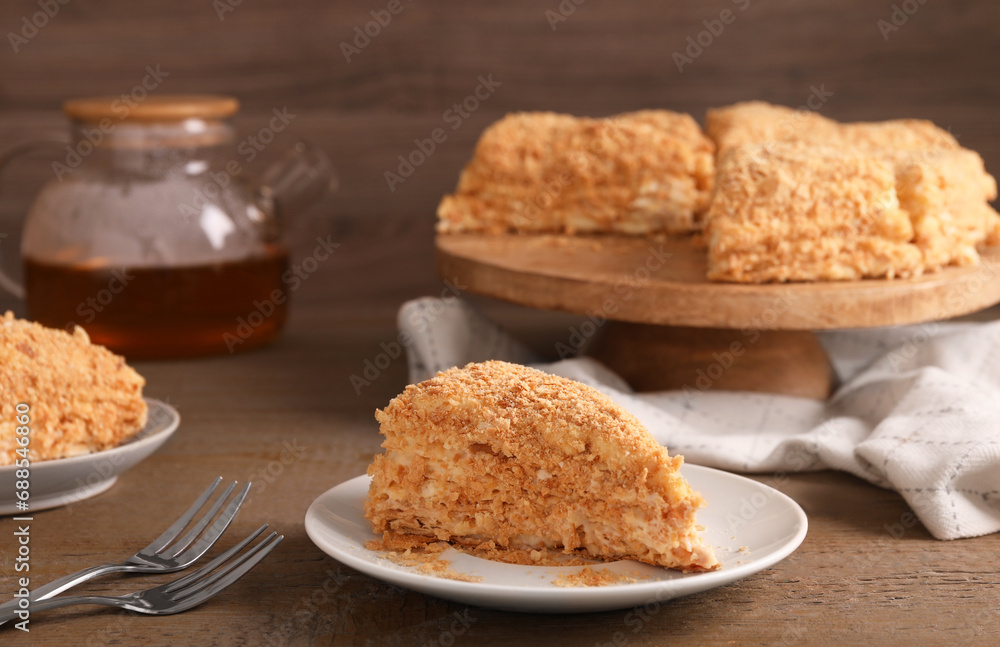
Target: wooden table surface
(288,418)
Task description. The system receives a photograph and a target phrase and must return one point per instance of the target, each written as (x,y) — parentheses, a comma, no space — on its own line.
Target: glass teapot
(152,238)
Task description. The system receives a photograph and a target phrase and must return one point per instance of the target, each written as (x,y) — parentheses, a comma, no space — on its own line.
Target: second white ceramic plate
(68,480)
(750,525)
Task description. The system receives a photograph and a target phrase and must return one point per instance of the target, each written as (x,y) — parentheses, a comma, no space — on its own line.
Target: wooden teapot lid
(159,108)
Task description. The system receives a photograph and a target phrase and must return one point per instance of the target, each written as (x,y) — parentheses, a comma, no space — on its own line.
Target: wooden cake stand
(657,321)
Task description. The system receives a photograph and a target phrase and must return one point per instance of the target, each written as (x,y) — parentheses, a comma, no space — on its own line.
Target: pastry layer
(504,453)
(796,212)
(754,122)
(82,398)
(941,187)
(635,173)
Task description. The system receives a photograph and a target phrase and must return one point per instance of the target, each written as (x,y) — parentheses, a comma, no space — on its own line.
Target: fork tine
(205,519)
(211,584)
(216,529)
(214,564)
(173,531)
(238,571)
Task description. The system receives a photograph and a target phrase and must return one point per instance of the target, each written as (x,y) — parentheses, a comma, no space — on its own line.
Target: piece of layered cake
(946,194)
(635,173)
(80,398)
(505,455)
(807,213)
(754,122)
(941,188)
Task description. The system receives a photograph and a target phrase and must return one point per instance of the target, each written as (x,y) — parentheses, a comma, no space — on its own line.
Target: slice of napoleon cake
(82,397)
(502,453)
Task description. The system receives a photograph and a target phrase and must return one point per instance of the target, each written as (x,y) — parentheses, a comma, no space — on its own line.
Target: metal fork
(182,594)
(166,553)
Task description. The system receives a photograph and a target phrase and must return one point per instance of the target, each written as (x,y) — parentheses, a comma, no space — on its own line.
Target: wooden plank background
(607,56)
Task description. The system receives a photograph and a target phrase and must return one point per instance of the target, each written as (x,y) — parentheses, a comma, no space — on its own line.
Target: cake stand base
(658,358)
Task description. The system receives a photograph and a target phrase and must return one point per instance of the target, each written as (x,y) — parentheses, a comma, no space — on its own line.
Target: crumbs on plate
(527,557)
(588,576)
(424,557)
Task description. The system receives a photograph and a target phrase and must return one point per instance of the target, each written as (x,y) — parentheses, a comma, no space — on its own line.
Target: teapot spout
(299,179)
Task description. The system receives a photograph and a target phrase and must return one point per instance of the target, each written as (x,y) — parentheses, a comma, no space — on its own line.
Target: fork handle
(66,601)
(55,587)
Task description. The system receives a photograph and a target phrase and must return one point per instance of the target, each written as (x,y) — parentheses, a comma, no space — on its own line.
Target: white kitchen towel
(918,409)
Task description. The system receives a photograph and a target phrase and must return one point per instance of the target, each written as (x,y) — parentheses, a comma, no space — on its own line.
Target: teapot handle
(297,180)
(6,157)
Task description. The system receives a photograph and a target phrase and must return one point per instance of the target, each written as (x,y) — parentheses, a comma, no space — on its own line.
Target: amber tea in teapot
(165,311)
(154,241)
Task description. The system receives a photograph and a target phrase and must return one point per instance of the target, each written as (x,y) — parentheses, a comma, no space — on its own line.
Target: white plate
(68,480)
(740,514)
